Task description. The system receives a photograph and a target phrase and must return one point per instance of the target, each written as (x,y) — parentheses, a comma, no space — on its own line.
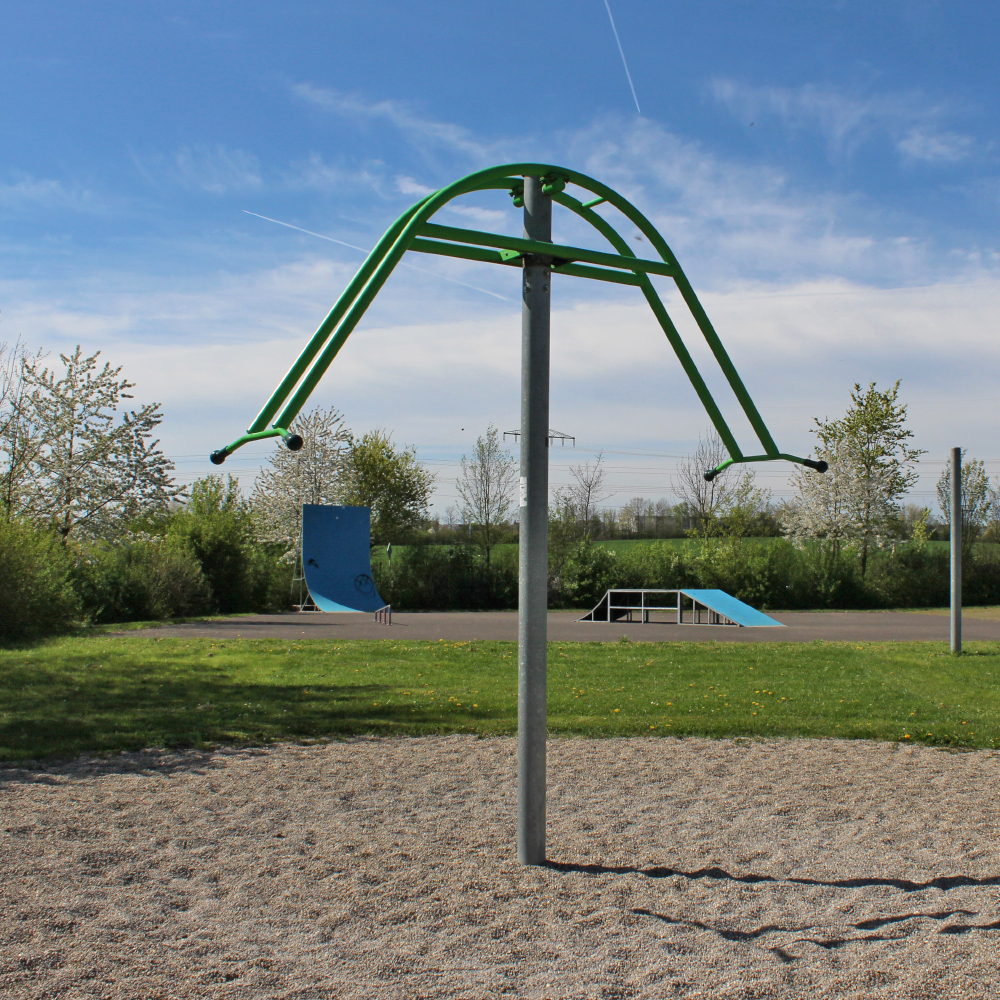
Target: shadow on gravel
(726,935)
(944,882)
(830,943)
(150,763)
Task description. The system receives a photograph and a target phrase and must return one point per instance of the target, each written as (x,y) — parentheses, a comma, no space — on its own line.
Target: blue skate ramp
(735,610)
(336,558)
(622,604)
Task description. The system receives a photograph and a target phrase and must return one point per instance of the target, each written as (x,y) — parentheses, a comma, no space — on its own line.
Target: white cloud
(908,120)
(213,353)
(340,178)
(729,221)
(787,276)
(30,192)
(941,147)
(217,169)
(419,129)
(486,216)
(407,185)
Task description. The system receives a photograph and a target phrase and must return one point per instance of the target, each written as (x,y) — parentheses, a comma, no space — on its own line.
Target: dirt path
(691,868)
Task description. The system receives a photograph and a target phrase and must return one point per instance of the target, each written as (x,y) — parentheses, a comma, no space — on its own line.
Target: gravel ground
(693,868)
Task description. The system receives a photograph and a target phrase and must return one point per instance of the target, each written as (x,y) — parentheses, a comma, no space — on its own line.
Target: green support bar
(513,259)
(551,249)
(411,231)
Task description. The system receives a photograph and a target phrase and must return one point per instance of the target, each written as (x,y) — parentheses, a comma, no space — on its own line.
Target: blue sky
(827,173)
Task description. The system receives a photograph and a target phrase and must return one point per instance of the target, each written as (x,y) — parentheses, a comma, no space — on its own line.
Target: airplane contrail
(412,267)
(622,53)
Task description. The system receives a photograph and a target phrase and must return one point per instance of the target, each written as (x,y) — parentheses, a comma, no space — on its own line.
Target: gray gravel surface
(383,867)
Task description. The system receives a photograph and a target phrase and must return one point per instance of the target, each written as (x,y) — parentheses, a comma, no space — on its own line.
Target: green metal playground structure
(413,230)
(533,187)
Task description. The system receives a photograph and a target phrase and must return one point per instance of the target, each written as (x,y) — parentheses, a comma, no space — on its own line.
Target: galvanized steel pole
(955,544)
(533,531)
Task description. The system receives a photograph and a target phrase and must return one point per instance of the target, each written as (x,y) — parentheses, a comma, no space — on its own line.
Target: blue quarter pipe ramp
(336,558)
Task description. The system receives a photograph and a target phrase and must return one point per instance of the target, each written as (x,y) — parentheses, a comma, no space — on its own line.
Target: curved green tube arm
(293,441)
(413,231)
(819,466)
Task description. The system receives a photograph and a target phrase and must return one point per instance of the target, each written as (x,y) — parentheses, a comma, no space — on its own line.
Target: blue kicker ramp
(336,558)
(733,609)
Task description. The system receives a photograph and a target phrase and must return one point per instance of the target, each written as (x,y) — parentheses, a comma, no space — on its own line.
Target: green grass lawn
(105,693)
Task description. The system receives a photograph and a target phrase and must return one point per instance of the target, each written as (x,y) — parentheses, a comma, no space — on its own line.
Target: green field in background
(508,550)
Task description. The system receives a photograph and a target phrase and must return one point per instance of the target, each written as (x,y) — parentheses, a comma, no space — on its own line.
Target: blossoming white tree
(979,499)
(75,462)
(826,507)
(314,474)
(871,470)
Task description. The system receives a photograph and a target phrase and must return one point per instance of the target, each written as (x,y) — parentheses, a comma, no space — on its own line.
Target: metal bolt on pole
(534,531)
(955,545)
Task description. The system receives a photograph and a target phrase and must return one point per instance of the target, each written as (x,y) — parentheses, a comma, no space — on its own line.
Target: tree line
(95,527)
(845,538)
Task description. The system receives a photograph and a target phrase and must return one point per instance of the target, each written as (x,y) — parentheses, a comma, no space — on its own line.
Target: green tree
(314,474)
(36,591)
(91,470)
(565,536)
(390,481)
(486,487)
(979,500)
(216,525)
(881,461)
(18,446)
(744,511)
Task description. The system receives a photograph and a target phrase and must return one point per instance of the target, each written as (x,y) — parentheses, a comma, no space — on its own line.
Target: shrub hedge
(771,575)
(36,589)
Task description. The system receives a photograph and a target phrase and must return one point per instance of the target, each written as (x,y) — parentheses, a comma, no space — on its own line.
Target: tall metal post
(955,545)
(534,531)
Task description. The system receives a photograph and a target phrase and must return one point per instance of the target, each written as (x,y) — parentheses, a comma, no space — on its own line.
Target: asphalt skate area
(800,626)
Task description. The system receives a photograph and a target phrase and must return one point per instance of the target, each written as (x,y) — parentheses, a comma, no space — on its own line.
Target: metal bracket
(554,183)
